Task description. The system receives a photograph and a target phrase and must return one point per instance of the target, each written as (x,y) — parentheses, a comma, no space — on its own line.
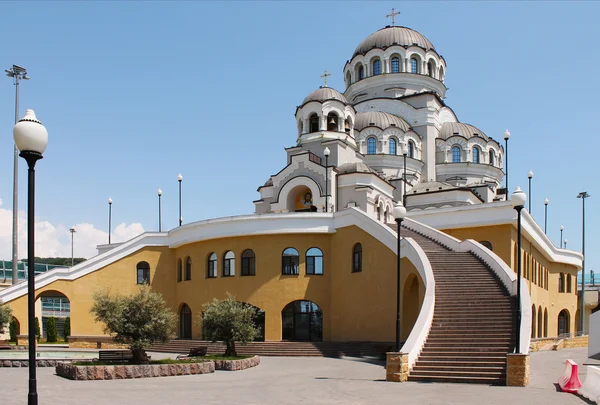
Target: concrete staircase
(473,320)
(281,348)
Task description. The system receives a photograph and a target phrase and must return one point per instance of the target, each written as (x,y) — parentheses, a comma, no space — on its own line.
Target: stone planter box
(91,372)
(25,363)
(236,365)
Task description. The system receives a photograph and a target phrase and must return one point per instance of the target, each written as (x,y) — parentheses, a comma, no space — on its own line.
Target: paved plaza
(281,380)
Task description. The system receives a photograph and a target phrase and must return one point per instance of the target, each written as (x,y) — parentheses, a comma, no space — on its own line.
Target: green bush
(51,334)
(37,329)
(13,330)
(67,330)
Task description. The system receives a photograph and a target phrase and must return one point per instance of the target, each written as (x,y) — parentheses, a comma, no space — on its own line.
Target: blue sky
(133,93)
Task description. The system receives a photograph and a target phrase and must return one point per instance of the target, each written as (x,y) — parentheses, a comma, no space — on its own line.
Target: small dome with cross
(389,36)
(324,94)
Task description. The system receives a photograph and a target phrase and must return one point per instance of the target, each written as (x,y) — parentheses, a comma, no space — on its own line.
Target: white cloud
(55,240)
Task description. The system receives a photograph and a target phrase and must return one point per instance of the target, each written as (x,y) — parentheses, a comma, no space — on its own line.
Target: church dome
(457,128)
(389,36)
(379,119)
(324,94)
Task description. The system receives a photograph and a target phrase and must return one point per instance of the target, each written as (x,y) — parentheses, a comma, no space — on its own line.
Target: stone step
(501,363)
(480,368)
(457,379)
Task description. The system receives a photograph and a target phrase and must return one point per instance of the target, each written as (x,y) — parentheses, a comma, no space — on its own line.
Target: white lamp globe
(109,200)
(326,152)
(518,198)
(179,177)
(546,201)
(506,134)
(562,228)
(530,174)
(159,192)
(399,211)
(30,135)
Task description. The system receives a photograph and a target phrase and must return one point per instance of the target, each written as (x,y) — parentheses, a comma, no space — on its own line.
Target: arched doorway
(533,319)
(302,320)
(54,304)
(563,322)
(540,321)
(185,322)
(545,322)
(410,305)
(259,322)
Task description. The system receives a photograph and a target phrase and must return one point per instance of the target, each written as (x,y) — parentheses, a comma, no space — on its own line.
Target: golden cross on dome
(324,76)
(393,15)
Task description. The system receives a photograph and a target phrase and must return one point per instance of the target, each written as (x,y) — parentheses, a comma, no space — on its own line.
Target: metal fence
(6,269)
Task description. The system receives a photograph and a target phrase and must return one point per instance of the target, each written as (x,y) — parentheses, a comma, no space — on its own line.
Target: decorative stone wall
(73,372)
(236,365)
(579,341)
(537,344)
(396,367)
(517,370)
(25,363)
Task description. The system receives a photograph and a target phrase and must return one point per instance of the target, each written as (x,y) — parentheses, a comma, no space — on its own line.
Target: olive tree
(229,321)
(136,320)
(5,316)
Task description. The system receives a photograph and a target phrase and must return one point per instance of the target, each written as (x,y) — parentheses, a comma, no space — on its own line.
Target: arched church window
(290,261)
(348,79)
(314,122)
(314,261)
(414,65)
(441,73)
(456,154)
(487,244)
(188,268)
(332,122)
(395,65)
(376,67)
(430,68)
(229,264)
(371,146)
(561,283)
(392,146)
(179,270)
(248,263)
(143,273)
(411,149)
(357,258)
(476,155)
(492,157)
(212,266)
(361,72)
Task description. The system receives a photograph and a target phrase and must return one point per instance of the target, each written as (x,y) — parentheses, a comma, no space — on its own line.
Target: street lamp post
(565,243)
(562,228)
(506,138)
(31,138)
(72,230)
(16,73)
(180,179)
(109,218)
(529,177)
(399,213)
(159,211)
(404,154)
(326,152)
(583,195)
(546,202)
(518,202)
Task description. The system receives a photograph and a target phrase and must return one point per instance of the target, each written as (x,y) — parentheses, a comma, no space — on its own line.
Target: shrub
(51,334)
(5,316)
(67,329)
(37,329)
(229,321)
(137,320)
(13,330)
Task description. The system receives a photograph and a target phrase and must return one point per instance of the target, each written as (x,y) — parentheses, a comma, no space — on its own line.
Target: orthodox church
(318,259)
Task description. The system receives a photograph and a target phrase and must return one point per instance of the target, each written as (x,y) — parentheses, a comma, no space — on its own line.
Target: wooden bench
(115,355)
(194,352)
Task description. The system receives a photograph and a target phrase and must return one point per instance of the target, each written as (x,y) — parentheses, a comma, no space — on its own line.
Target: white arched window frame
(371,145)
(492,157)
(456,154)
(360,72)
(229,264)
(376,67)
(393,146)
(476,154)
(410,149)
(414,64)
(395,64)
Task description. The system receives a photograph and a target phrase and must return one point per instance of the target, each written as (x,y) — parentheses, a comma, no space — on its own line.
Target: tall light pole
(562,228)
(546,202)
(529,177)
(583,195)
(506,138)
(404,154)
(159,192)
(399,213)
(565,243)
(109,218)
(518,202)
(31,138)
(326,152)
(72,230)
(180,179)
(17,73)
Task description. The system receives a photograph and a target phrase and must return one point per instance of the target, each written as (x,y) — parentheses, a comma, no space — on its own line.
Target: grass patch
(163,361)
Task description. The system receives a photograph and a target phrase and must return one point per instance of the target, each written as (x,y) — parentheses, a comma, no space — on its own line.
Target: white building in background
(390,123)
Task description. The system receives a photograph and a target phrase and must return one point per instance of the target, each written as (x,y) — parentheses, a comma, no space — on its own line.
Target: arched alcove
(302,320)
(185,322)
(410,305)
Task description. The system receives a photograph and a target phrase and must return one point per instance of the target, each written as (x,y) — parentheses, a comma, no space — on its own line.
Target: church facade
(318,256)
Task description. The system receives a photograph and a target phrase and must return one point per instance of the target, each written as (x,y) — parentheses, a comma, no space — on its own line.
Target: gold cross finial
(324,76)
(393,14)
